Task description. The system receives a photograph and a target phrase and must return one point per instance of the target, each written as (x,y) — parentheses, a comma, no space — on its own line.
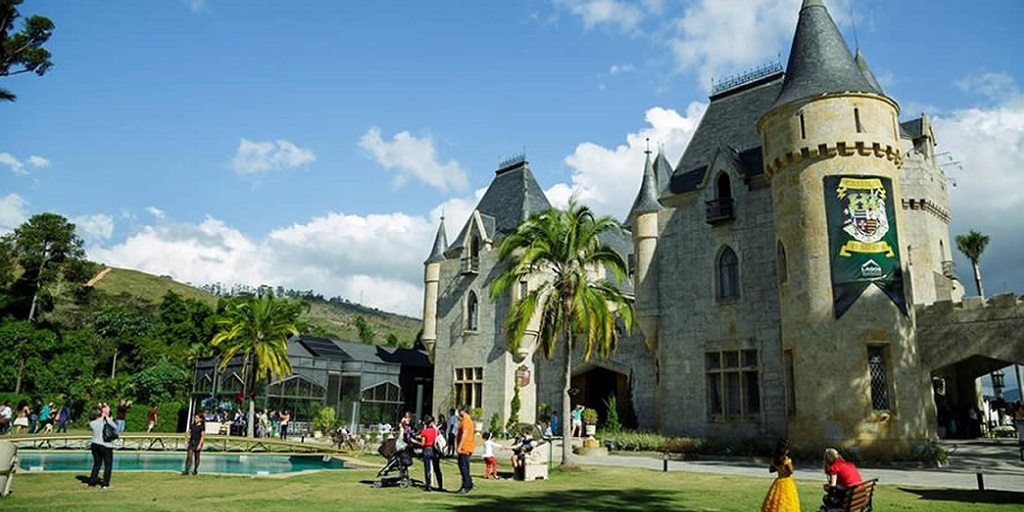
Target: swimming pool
(243,464)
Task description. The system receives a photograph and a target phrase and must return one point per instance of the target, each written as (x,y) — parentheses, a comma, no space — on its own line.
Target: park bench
(859,498)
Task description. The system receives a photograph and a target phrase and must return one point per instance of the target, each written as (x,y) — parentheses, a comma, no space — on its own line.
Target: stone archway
(594,383)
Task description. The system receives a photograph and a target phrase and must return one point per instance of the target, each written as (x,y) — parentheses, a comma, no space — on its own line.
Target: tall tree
(365,331)
(22,52)
(573,303)
(50,255)
(257,328)
(972,245)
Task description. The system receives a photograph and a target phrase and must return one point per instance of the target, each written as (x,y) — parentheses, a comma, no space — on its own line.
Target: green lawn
(595,489)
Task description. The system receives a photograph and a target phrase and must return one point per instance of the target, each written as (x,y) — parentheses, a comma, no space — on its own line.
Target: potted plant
(323,421)
(590,421)
(478,418)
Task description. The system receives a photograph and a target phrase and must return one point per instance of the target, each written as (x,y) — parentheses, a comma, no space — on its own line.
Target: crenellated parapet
(949,332)
(839,148)
(972,310)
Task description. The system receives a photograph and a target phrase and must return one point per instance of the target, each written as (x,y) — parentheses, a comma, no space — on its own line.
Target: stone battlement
(839,148)
(1003,306)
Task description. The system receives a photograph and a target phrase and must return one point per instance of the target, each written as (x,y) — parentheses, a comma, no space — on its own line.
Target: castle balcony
(471,265)
(949,269)
(720,210)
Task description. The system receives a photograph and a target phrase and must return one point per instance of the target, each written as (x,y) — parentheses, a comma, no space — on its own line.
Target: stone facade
(737,333)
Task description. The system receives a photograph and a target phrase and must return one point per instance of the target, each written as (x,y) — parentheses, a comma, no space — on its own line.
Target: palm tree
(573,303)
(972,245)
(257,327)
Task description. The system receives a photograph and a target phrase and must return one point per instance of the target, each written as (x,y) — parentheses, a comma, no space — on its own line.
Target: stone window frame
(468,386)
(782,262)
(472,312)
(879,366)
(719,370)
(732,293)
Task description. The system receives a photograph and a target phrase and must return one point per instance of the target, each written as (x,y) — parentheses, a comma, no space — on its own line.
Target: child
(490,462)
(524,445)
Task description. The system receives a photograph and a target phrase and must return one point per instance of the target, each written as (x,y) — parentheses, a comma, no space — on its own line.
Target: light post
(998,383)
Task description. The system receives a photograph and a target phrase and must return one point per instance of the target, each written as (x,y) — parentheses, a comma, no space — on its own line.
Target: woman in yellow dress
(782,496)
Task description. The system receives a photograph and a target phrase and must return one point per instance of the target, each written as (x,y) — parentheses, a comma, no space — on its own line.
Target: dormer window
(471,263)
(721,208)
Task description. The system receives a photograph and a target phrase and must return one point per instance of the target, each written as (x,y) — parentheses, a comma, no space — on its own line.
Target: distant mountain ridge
(328,317)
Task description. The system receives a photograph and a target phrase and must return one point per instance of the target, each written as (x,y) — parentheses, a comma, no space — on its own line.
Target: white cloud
(38,161)
(994,86)
(197,6)
(12,212)
(12,163)
(612,13)
(617,69)
(93,227)
(989,192)
(256,157)
(157,213)
(412,157)
(607,179)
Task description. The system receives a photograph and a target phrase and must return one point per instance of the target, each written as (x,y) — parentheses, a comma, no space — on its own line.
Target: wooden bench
(859,497)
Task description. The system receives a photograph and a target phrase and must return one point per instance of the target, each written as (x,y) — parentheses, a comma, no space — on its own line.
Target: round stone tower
(431,281)
(832,154)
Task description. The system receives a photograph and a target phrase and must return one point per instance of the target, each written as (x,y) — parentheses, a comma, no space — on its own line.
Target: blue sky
(315,146)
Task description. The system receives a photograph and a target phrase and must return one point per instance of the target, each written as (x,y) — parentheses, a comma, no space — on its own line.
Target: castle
(780,271)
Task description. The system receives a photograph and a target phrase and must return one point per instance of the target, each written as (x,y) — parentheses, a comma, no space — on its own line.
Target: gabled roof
(819,61)
(912,129)
(730,120)
(512,196)
(350,351)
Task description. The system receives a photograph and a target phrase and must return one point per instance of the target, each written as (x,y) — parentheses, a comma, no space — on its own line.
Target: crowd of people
(38,418)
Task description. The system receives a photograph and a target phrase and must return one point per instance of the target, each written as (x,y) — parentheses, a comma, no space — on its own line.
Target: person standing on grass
(453,429)
(122,412)
(464,438)
(63,417)
(195,436)
(102,451)
(427,438)
(286,418)
(6,417)
(151,418)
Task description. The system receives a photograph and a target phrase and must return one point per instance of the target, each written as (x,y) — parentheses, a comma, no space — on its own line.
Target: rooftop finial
(648,150)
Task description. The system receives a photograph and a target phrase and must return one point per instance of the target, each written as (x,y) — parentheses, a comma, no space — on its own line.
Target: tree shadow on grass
(592,500)
(968,495)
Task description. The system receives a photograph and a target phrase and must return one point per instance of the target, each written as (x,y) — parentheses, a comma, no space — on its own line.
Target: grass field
(594,489)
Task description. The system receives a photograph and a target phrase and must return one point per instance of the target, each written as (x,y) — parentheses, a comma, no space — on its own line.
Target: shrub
(325,419)
(477,414)
(494,426)
(634,441)
(681,445)
(135,419)
(544,412)
(611,423)
(590,416)
(514,406)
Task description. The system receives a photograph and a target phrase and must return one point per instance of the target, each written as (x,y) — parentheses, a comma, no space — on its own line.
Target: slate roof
(647,198)
(351,351)
(819,61)
(862,65)
(663,172)
(440,244)
(730,122)
(912,129)
(512,196)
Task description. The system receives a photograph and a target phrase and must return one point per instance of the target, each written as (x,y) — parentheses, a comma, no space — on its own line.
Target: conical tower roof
(440,244)
(862,65)
(647,198)
(662,171)
(819,61)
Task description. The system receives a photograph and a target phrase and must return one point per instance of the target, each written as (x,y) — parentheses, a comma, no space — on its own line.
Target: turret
(831,151)
(431,281)
(643,218)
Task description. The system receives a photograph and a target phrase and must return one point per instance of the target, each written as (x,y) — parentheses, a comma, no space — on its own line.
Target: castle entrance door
(593,386)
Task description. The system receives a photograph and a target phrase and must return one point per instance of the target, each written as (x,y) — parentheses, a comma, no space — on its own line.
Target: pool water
(242,464)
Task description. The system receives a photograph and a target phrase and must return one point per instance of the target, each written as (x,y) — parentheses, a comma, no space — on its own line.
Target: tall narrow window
(856,118)
(472,311)
(723,187)
(879,378)
(780,256)
(469,386)
(803,129)
(728,274)
(524,289)
(733,384)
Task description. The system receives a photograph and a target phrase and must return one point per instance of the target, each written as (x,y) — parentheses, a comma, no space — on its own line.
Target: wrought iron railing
(719,210)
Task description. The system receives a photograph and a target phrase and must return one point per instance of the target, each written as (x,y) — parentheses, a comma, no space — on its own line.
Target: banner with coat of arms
(863,243)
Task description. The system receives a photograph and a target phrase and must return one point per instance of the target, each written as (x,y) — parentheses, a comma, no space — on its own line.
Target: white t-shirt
(5,411)
(488,448)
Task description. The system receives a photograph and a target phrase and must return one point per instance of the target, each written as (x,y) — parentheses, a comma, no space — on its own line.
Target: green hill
(333,318)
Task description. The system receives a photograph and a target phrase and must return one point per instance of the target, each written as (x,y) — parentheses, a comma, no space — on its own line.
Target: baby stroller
(396,470)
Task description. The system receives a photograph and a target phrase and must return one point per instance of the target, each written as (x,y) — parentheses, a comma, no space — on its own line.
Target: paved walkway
(998,460)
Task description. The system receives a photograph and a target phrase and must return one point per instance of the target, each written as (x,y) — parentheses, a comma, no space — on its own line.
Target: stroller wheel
(405,482)
(377,484)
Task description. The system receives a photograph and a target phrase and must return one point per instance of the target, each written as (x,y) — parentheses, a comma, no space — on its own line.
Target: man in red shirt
(841,475)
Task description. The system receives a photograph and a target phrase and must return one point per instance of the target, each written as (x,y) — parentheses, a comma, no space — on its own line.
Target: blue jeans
(432,461)
(120,425)
(467,479)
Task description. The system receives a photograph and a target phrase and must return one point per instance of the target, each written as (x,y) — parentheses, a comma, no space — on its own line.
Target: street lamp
(998,383)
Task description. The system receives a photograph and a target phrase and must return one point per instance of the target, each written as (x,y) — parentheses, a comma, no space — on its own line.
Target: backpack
(440,443)
(109,432)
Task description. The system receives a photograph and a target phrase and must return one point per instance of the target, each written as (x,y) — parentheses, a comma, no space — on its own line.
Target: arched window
(728,274)
(780,256)
(723,187)
(472,311)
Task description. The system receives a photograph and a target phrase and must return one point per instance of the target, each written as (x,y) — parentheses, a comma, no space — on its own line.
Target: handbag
(440,443)
(109,432)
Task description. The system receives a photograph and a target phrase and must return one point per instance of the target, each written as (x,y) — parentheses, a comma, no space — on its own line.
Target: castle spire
(440,244)
(820,62)
(647,199)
